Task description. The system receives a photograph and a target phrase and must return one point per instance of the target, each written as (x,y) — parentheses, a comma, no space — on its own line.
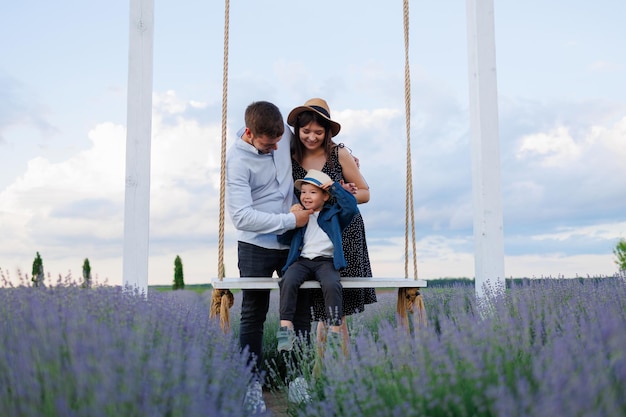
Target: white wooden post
(486,188)
(138,138)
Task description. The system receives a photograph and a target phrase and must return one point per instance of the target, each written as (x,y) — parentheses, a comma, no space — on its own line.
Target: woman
(314,148)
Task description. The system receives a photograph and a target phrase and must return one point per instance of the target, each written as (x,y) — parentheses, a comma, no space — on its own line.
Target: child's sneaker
(286,338)
(299,391)
(253,401)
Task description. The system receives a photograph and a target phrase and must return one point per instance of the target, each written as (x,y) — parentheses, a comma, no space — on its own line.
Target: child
(316,252)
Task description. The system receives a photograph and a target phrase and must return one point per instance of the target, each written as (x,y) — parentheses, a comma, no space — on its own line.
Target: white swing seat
(264,283)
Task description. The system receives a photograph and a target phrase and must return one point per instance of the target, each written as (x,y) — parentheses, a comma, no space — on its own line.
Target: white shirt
(316,242)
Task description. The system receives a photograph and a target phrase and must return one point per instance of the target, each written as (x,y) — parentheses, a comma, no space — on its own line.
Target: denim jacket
(333,219)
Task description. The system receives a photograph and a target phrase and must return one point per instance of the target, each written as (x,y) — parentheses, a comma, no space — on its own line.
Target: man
(259,194)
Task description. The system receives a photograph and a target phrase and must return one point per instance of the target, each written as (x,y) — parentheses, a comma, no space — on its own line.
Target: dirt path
(276,403)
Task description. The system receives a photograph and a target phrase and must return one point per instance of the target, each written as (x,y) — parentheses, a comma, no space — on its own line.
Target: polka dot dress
(354,248)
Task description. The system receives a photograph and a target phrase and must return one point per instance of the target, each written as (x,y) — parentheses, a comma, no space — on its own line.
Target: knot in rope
(221,302)
(410,301)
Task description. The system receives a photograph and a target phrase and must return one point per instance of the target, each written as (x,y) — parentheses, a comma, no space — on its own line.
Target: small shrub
(179,282)
(86,274)
(37,275)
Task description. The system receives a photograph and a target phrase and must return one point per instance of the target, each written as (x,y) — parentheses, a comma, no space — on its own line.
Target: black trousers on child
(320,269)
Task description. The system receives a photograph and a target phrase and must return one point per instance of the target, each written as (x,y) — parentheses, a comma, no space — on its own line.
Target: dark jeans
(319,269)
(255,261)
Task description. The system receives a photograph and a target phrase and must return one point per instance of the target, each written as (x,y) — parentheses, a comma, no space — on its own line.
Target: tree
(620,255)
(179,282)
(37,274)
(86,274)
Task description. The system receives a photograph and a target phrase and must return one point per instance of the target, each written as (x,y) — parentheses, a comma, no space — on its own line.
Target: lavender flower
(68,351)
(546,348)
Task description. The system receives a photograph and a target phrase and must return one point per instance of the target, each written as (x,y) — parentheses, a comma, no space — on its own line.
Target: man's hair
(264,119)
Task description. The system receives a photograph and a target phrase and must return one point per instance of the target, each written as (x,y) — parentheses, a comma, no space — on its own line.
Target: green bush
(37,275)
(86,274)
(179,282)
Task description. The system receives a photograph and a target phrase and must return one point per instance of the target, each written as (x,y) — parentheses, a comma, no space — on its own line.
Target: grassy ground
(199,288)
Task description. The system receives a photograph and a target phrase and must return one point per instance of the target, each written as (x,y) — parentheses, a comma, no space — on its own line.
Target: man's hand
(296,207)
(302,216)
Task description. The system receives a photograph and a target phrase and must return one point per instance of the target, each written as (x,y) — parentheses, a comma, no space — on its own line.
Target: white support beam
(138,138)
(486,187)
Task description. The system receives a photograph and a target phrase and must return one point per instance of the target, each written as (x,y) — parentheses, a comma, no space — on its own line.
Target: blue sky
(562,118)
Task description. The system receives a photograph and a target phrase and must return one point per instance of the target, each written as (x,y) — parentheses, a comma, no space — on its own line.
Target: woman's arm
(351,173)
(345,201)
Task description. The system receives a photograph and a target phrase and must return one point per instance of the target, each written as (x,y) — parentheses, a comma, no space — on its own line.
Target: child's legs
(289,285)
(329,279)
(302,316)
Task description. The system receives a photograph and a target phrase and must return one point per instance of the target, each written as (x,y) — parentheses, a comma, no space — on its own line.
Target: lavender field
(553,347)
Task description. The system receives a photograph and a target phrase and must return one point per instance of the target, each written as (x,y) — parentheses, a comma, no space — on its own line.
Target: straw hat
(313,176)
(318,106)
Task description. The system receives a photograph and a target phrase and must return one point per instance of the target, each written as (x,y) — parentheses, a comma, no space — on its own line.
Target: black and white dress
(354,248)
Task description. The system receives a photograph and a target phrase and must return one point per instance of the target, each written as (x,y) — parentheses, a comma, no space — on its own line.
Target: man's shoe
(286,339)
(299,391)
(253,401)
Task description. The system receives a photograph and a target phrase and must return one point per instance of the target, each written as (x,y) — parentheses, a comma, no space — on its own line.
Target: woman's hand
(349,186)
(352,174)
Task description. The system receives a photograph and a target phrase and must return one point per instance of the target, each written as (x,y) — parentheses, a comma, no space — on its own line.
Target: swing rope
(409,299)
(222,300)
(409,170)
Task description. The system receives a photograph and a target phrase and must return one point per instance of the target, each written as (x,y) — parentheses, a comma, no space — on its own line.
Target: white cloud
(559,178)
(609,231)
(96,172)
(77,205)
(60,205)
(73,209)
(168,102)
(559,265)
(555,148)
(598,144)
(198,104)
(612,139)
(437,257)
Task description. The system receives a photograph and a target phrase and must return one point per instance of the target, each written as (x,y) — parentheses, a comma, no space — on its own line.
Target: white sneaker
(253,401)
(299,391)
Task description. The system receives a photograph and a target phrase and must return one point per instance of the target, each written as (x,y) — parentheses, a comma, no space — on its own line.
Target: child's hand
(296,207)
(327,185)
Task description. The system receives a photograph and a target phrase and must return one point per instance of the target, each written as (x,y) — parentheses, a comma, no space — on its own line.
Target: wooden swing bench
(409,297)
(264,283)
(410,301)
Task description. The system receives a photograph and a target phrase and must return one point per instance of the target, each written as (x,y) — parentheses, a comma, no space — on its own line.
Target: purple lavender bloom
(547,347)
(68,351)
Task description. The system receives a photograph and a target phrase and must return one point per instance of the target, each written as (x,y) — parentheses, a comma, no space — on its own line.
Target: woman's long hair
(303,119)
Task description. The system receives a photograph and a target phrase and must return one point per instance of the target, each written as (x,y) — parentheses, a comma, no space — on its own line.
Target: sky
(561,111)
